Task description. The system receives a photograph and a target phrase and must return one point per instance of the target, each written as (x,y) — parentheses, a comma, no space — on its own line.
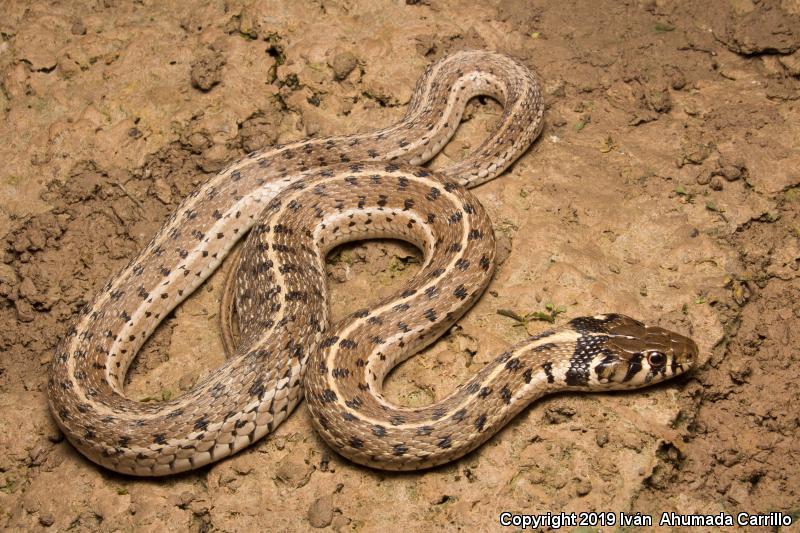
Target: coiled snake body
(301,200)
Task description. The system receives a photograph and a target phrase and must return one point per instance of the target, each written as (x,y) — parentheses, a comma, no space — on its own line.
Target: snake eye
(656,359)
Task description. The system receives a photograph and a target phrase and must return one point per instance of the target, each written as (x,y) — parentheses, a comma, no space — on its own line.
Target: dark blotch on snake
(328,395)
(505,393)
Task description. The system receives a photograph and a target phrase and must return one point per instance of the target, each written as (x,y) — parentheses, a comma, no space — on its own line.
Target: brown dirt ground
(665,186)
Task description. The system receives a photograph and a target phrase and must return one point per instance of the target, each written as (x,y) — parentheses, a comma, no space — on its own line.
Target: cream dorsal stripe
(219,416)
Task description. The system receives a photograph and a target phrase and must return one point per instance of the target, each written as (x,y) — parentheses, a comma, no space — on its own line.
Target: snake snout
(684,350)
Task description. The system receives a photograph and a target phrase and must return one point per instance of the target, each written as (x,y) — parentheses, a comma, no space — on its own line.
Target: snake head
(636,355)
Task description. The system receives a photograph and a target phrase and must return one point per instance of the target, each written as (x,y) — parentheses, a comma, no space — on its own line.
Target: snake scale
(299,201)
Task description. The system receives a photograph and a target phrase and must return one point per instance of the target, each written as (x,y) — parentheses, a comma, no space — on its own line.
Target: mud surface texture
(665,185)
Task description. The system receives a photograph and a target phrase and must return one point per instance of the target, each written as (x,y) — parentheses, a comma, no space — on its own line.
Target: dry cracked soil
(665,185)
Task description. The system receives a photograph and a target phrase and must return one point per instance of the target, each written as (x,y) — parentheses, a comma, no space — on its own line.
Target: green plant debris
(683,193)
(548,315)
(10,486)
(165,396)
(770,217)
(342,257)
(711,206)
(275,49)
(608,145)
(582,123)
(399,264)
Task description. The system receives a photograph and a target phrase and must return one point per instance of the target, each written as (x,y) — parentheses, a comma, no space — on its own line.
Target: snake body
(301,200)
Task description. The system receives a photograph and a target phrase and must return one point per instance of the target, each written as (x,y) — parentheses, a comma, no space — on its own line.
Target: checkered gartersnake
(300,200)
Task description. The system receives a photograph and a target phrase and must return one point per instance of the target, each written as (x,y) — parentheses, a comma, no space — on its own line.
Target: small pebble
(185,499)
(715,183)
(325,461)
(294,473)
(320,514)
(47,519)
(731,172)
(78,28)
(199,141)
(343,64)
(503,245)
(312,126)
(558,414)
(677,80)
(186,381)
(25,312)
(583,488)
(729,458)
(703,177)
(556,89)
(340,523)
(738,493)
(206,71)
(36,455)
(54,435)
(601,438)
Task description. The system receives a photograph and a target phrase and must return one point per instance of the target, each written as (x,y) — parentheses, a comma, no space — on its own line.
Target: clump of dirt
(664,186)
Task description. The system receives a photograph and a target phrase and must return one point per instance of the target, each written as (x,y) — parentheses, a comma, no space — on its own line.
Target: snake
(295,203)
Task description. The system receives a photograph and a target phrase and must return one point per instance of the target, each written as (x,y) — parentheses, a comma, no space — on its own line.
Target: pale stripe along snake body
(301,200)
